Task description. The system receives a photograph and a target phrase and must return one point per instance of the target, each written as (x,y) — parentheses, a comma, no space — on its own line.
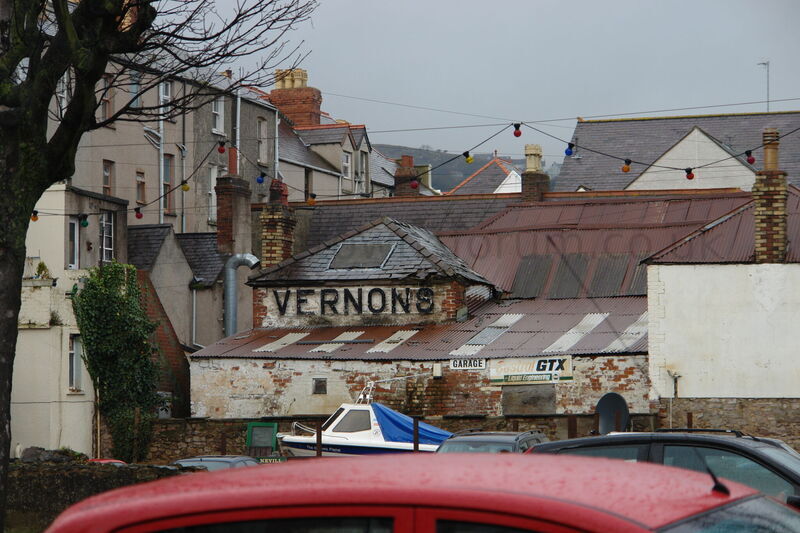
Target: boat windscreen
(333,417)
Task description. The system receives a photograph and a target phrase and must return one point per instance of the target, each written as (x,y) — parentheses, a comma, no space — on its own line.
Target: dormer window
(347,165)
(361,256)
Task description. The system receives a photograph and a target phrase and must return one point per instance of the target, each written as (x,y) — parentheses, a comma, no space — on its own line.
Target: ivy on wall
(119,356)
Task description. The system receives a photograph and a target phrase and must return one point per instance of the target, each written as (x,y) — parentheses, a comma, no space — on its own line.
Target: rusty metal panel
(532,273)
(568,281)
(608,275)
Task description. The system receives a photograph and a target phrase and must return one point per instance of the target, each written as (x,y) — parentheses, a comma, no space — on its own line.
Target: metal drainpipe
(229,288)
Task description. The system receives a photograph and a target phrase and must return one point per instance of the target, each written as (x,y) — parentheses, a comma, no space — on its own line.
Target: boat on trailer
(363,429)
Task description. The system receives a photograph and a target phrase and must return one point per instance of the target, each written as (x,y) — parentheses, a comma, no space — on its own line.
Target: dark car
(766,464)
(217,462)
(422,493)
(491,441)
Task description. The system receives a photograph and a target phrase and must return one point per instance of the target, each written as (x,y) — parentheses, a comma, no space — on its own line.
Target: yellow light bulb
(470,159)
(185,187)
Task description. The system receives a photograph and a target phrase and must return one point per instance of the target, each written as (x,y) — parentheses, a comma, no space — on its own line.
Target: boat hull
(307,447)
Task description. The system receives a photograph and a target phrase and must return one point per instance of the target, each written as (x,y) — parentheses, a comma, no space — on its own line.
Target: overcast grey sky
(527,60)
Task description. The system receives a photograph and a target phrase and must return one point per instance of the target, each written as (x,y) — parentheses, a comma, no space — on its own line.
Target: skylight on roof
(361,256)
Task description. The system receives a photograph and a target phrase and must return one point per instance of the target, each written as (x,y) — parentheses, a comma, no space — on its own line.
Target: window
(106,98)
(73,248)
(325,524)
(136,90)
(63,93)
(355,420)
(263,140)
(167,200)
(165,92)
(75,350)
(729,465)
(629,452)
(212,193)
(319,386)
(106,236)
(141,187)
(346,165)
(108,177)
(218,115)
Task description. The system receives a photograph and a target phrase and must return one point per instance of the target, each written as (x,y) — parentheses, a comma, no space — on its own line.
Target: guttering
(229,288)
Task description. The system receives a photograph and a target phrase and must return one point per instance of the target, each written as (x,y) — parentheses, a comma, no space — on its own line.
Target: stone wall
(37,493)
(176,439)
(763,417)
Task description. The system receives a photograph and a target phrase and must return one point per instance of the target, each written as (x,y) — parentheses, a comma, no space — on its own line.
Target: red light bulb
(221,147)
(689,174)
(414,184)
(138,212)
(750,158)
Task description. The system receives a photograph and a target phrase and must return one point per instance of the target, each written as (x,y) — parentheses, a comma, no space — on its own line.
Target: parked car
(217,462)
(491,441)
(457,493)
(766,464)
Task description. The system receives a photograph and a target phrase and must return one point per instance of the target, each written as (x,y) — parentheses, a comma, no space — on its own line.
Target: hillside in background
(451,174)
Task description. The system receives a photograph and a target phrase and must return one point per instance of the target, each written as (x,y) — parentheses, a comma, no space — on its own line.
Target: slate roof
(202,255)
(324,134)
(486,179)
(415,254)
(382,169)
(144,243)
(730,238)
(359,133)
(576,327)
(646,139)
(292,149)
(434,213)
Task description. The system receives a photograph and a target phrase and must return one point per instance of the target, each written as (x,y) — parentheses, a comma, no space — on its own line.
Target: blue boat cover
(397,427)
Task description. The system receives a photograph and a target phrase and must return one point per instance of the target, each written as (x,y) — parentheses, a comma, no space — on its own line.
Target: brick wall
(174,376)
(764,417)
(252,388)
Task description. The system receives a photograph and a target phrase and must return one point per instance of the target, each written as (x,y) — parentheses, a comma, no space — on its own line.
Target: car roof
(582,492)
(743,441)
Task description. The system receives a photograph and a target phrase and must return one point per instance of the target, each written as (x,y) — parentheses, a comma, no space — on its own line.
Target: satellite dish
(613,412)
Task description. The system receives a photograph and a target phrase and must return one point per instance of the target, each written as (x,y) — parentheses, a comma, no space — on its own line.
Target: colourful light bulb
(85,223)
(34,216)
(138,212)
(414,184)
(689,174)
(221,147)
(750,158)
(570,146)
(517,131)
(627,166)
(260,178)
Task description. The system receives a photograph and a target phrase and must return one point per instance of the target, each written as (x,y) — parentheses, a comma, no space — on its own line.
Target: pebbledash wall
(249,388)
(723,346)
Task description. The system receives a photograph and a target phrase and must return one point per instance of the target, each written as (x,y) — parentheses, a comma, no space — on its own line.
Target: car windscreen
(785,459)
(754,515)
(460,446)
(208,464)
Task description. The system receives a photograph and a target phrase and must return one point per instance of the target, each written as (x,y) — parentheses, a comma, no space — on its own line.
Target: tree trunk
(11,266)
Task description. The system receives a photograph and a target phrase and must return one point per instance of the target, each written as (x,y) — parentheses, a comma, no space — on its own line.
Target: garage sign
(468,364)
(531,370)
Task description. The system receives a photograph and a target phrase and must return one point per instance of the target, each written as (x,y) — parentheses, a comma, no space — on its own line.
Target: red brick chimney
(405,177)
(300,103)
(769,194)
(233,215)
(277,226)
(534,181)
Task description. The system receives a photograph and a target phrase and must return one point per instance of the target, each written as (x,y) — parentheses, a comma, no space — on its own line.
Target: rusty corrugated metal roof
(730,238)
(530,327)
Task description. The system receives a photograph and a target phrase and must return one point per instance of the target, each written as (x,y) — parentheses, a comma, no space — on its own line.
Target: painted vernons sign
(353,301)
(531,370)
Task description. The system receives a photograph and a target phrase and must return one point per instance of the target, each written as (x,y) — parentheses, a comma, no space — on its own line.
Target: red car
(443,493)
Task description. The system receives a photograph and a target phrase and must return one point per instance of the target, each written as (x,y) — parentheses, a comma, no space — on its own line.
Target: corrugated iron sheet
(570,276)
(532,273)
(609,273)
(541,324)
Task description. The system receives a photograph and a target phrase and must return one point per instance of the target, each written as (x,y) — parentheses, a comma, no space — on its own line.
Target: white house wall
(512,183)
(728,331)
(694,150)
(44,411)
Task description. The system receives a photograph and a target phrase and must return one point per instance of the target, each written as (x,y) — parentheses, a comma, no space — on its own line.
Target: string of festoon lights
(311,199)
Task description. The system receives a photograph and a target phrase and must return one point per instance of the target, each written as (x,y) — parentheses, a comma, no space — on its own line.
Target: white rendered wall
(692,151)
(729,331)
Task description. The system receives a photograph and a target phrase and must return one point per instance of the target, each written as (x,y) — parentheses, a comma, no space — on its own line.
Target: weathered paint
(726,330)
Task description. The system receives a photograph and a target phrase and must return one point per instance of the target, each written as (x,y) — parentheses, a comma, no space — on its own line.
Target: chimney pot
(533,157)
(404,176)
